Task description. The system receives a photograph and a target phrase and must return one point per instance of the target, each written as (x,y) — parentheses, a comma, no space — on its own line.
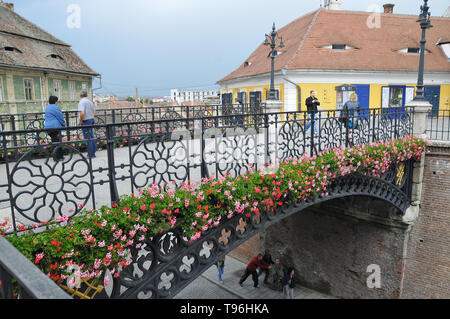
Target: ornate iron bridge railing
(35,121)
(37,188)
(439,125)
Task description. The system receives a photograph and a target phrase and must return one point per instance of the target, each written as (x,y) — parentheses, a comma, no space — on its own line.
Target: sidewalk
(233,271)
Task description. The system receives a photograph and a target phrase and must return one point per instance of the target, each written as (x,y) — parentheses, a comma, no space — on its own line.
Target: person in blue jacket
(54,119)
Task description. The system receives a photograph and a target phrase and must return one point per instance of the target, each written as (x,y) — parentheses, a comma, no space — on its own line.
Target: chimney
(333,4)
(388,8)
(7,5)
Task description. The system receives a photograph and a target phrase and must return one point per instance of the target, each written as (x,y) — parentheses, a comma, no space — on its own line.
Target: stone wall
(332,244)
(427,272)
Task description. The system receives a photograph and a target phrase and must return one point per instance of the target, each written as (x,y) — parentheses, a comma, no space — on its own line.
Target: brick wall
(332,244)
(248,250)
(427,271)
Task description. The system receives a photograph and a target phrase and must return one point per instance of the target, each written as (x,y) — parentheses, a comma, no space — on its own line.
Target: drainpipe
(299,94)
(42,94)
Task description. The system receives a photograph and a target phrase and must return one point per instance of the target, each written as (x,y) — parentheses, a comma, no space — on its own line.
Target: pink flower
(106,281)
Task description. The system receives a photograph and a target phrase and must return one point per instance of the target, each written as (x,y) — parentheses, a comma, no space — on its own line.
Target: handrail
(33,283)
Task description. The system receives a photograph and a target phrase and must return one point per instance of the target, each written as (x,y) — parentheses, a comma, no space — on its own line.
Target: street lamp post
(271,40)
(424,20)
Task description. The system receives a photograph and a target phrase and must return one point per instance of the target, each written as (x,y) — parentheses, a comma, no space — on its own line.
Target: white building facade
(191,96)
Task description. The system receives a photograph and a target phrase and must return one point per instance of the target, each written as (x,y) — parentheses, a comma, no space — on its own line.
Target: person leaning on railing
(351,111)
(87,114)
(54,119)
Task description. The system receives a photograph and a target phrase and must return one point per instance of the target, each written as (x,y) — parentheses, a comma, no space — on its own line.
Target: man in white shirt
(87,113)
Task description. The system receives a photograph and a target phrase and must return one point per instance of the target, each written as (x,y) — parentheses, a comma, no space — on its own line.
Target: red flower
(143,207)
(114,205)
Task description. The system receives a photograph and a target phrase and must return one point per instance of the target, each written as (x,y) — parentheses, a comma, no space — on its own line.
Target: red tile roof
(36,47)
(375,49)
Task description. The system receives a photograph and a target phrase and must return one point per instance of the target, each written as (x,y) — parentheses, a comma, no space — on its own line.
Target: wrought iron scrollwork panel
(234,153)
(158,159)
(292,140)
(44,188)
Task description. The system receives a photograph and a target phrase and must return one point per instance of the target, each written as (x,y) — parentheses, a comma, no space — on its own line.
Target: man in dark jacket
(311,105)
(267,258)
(251,270)
(289,283)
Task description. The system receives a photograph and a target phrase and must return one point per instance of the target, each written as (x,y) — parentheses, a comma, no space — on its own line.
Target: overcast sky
(155,45)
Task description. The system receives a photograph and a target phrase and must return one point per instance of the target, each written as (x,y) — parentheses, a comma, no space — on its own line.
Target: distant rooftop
(23,44)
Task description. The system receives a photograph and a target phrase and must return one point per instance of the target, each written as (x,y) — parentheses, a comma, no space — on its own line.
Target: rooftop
(309,39)
(25,45)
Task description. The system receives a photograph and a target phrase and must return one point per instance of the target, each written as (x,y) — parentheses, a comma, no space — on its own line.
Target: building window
(28,84)
(413,50)
(84,86)
(12,49)
(338,46)
(72,90)
(396,96)
(57,88)
(56,57)
(1,90)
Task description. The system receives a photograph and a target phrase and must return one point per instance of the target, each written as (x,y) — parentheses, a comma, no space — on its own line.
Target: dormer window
(444,44)
(247,63)
(56,57)
(411,50)
(12,49)
(446,49)
(338,47)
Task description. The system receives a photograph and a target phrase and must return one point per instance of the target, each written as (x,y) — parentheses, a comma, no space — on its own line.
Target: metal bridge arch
(168,262)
